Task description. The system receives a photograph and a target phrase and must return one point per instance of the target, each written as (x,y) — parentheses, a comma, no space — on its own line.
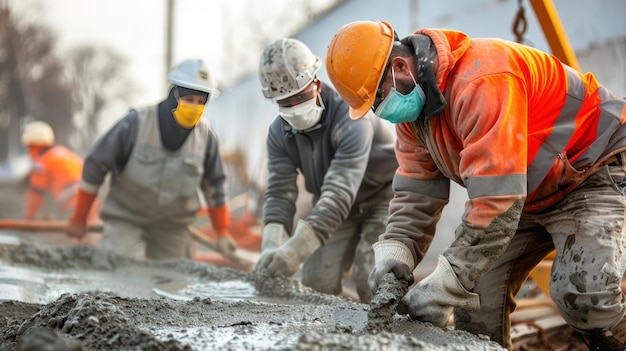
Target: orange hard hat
(356,60)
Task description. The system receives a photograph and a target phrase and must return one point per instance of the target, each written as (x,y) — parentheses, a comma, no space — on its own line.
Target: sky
(212,30)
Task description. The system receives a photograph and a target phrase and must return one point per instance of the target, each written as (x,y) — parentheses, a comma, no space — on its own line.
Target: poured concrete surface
(82,298)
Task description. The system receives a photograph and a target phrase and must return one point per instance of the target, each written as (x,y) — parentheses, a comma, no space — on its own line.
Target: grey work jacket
(347,165)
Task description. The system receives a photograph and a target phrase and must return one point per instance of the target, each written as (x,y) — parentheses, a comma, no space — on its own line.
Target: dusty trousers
(349,246)
(587,231)
(146,242)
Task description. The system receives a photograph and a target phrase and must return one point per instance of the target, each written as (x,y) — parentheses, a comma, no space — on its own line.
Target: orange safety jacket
(57,171)
(518,125)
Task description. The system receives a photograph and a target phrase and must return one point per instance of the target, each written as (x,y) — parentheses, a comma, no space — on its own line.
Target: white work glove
(432,299)
(285,260)
(274,235)
(391,256)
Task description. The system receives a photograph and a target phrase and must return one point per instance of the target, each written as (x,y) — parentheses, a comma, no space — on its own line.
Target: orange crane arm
(553,30)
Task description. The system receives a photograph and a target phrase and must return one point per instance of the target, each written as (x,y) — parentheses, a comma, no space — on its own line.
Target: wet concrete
(82,298)
(384,303)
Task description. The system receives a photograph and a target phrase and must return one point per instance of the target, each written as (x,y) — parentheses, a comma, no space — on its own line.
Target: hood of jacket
(436,53)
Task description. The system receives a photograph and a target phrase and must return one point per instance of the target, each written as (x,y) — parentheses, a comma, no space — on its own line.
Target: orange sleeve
(34,200)
(220,218)
(84,201)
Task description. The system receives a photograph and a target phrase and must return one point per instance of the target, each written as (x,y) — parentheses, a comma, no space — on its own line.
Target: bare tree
(33,83)
(98,73)
(263,24)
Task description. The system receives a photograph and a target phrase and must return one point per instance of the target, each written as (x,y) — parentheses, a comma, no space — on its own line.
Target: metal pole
(169,14)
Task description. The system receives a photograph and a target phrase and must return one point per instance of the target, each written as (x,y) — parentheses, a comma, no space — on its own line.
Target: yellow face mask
(187,115)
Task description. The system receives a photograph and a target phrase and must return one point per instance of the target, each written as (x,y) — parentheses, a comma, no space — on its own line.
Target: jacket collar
(425,55)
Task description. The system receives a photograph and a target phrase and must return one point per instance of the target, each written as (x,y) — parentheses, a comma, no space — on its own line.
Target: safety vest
(57,171)
(158,186)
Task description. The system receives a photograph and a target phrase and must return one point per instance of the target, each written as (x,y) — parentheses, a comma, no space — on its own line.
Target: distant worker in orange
(56,171)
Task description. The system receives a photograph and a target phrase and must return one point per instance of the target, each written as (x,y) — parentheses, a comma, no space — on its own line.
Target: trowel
(201,238)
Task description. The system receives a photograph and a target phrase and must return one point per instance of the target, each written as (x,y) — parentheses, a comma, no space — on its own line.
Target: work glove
(220,219)
(432,299)
(274,235)
(225,245)
(77,224)
(76,227)
(391,256)
(285,260)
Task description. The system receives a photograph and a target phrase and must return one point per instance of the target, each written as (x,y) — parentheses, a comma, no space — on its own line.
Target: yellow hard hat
(38,133)
(355,62)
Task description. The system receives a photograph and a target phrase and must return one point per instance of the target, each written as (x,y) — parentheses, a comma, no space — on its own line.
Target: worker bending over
(56,172)
(347,166)
(539,147)
(158,157)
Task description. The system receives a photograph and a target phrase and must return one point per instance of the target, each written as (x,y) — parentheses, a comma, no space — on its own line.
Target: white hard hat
(287,67)
(38,133)
(193,74)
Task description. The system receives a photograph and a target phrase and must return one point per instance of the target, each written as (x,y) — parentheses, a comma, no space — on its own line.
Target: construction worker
(158,157)
(347,167)
(56,172)
(539,148)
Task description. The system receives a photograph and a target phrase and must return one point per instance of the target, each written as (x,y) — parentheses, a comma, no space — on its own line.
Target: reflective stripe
(608,121)
(562,132)
(36,189)
(68,192)
(437,188)
(88,187)
(615,108)
(605,95)
(512,184)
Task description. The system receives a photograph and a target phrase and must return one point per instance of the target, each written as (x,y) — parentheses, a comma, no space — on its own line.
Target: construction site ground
(57,295)
(77,297)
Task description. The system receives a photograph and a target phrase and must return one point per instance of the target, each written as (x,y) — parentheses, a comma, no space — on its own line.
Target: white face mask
(304,115)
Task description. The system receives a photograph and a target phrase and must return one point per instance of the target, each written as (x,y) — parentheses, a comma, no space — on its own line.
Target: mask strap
(319,98)
(393,76)
(411,74)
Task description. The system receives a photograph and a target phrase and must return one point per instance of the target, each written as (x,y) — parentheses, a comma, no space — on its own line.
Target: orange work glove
(77,224)
(220,218)
(34,200)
